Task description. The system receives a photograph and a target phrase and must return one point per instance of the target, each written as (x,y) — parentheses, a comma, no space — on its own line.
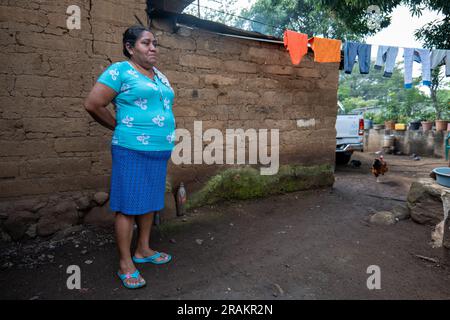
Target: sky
(400,33)
(401,30)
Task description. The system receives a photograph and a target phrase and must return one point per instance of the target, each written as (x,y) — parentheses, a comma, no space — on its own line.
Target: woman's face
(145,50)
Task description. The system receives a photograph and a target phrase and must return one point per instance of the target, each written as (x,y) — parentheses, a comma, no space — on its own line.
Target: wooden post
(445,196)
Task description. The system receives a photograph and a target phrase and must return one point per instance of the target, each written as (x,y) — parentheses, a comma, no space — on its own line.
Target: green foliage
(306,16)
(389,94)
(439,97)
(403,119)
(352,103)
(443,100)
(369,115)
(428,115)
(379,118)
(435,34)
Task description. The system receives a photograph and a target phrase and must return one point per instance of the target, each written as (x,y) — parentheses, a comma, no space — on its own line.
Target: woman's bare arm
(97,101)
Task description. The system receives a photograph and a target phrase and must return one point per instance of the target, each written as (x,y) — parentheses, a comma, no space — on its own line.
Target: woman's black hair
(131,35)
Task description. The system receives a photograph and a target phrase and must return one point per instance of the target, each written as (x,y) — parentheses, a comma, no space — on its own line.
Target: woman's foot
(128,269)
(145,253)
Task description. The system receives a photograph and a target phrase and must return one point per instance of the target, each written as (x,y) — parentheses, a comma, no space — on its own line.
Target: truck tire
(343,158)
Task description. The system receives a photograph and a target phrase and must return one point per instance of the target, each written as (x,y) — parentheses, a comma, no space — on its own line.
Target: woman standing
(143,139)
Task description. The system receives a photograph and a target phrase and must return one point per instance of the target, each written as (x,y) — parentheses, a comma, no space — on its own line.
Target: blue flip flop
(134,275)
(153,259)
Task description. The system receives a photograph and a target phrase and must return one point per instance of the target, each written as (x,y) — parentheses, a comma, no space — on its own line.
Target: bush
(369,115)
(428,115)
(403,119)
(379,118)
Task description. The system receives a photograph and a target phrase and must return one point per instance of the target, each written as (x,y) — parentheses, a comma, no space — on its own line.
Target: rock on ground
(424,201)
(401,212)
(17,224)
(62,216)
(100,216)
(101,198)
(383,218)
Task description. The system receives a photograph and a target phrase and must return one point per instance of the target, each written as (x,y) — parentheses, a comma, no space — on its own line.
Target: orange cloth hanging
(326,50)
(297,45)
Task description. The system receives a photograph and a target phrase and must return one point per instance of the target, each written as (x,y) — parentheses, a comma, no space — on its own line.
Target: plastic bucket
(443,176)
(414,125)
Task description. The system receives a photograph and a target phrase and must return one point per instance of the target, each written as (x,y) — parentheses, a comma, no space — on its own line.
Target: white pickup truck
(349,136)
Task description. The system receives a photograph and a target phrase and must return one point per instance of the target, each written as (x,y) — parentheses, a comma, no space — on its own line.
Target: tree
(439,97)
(306,16)
(389,94)
(354,14)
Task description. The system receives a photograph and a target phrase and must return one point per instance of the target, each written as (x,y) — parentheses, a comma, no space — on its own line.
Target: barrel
(388,141)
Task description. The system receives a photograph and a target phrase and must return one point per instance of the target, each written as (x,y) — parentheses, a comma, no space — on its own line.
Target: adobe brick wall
(235,83)
(52,152)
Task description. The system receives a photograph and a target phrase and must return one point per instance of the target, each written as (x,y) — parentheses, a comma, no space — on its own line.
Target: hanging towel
(386,55)
(353,49)
(326,50)
(297,45)
(438,56)
(421,56)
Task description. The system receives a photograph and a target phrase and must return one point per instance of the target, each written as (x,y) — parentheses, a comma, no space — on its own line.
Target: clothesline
(329,50)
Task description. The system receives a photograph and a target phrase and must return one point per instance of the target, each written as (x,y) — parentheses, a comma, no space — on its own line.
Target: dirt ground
(304,245)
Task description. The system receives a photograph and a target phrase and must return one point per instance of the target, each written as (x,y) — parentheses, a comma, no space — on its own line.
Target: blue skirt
(138,180)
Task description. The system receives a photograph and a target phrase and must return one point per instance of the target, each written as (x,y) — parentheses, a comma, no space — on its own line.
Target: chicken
(379,167)
(355,163)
